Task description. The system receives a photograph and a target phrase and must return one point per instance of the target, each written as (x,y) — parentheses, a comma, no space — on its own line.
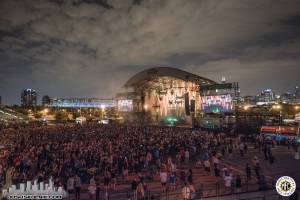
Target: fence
(218,189)
(203,191)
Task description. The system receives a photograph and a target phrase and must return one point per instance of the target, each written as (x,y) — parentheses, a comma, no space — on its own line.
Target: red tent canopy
(284,130)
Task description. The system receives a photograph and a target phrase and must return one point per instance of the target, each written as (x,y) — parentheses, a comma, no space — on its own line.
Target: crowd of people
(101,155)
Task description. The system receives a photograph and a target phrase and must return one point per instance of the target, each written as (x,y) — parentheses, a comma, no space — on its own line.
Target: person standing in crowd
(206,164)
(163,179)
(98,189)
(262,182)
(70,186)
(241,147)
(125,169)
(92,189)
(9,176)
(190,176)
(192,191)
(259,141)
(288,144)
(256,167)
(230,151)
(248,172)
(186,192)
(297,155)
(245,147)
(186,157)
(216,163)
(228,180)
(113,179)
(141,190)
(77,184)
(182,177)
(107,179)
(134,185)
(172,181)
(238,184)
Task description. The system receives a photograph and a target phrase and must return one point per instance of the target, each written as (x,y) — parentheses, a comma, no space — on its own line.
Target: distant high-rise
(28,98)
(288,97)
(297,91)
(250,100)
(266,96)
(46,100)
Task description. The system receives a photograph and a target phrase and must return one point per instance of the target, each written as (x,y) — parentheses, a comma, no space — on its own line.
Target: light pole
(103,107)
(44,114)
(278,107)
(46,111)
(296,109)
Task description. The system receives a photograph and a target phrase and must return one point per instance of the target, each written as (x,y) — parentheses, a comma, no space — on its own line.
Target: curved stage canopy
(149,74)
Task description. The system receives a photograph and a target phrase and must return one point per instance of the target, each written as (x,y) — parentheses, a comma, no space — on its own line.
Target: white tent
(80,120)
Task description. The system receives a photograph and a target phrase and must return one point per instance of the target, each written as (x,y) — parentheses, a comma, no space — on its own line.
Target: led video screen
(125,105)
(217,104)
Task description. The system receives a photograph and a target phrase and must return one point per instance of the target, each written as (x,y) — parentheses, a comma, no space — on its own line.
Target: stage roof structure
(150,74)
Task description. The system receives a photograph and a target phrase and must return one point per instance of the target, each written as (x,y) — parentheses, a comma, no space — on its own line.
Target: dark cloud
(90,47)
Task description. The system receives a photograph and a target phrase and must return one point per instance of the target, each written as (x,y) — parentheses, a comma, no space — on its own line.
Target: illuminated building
(83,103)
(288,97)
(250,100)
(266,97)
(297,92)
(164,93)
(28,98)
(219,98)
(161,95)
(125,101)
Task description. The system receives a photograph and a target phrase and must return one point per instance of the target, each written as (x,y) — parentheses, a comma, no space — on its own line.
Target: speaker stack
(186,104)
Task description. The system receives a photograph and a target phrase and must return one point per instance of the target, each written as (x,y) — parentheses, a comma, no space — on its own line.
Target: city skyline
(40,100)
(89,48)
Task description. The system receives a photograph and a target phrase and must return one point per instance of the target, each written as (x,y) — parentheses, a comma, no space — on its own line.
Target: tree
(99,114)
(38,115)
(61,116)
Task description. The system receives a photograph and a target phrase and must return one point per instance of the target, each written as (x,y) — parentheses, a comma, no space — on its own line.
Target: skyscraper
(297,91)
(28,98)
(266,96)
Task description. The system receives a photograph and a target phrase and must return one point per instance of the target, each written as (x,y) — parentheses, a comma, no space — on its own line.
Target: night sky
(89,48)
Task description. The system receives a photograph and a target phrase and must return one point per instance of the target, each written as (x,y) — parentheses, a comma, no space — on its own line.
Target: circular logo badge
(285,186)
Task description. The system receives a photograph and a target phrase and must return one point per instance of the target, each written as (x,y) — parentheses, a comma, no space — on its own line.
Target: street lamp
(246,107)
(45,111)
(279,107)
(276,107)
(102,111)
(146,107)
